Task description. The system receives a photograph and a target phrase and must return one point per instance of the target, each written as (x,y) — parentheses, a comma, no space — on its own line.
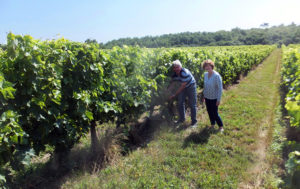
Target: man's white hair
(177,63)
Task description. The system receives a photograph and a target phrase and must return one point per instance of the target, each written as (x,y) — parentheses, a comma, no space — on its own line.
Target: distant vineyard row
(53,92)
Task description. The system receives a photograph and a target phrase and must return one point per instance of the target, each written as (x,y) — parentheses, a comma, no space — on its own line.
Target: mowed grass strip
(198,158)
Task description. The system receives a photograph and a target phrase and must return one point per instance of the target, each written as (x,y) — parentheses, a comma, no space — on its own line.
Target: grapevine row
(291,81)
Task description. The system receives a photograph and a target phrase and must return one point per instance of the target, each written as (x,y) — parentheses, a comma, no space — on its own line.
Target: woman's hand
(218,103)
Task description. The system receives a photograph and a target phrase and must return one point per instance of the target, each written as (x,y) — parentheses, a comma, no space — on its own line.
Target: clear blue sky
(78,20)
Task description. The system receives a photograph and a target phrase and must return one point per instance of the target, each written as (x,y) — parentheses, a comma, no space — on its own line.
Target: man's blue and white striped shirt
(185,76)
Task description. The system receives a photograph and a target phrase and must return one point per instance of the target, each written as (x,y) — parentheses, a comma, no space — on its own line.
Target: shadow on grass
(200,137)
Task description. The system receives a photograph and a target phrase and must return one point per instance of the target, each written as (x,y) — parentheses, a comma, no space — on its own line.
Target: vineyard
(55,92)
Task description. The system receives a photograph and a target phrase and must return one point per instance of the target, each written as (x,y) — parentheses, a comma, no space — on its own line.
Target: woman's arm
(219,89)
(203,99)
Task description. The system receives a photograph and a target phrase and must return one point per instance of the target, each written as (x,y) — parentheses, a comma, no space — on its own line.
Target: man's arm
(181,88)
(170,87)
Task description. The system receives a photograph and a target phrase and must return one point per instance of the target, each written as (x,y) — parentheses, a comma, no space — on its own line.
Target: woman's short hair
(208,62)
(176,63)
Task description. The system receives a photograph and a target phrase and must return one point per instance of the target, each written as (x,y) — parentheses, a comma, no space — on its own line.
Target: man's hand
(171,97)
(218,103)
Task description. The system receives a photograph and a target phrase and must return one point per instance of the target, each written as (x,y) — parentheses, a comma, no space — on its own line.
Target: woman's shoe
(194,124)
(221,129)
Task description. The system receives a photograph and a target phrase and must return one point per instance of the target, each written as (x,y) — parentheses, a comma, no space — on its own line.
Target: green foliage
(131,74)
(293,163)
(291,79)
(2,47)
(293,168)
(11,134)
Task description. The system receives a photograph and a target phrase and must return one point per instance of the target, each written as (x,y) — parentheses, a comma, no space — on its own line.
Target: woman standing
(212,93)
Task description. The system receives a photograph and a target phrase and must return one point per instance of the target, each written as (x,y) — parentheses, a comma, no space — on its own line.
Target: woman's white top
(213,86)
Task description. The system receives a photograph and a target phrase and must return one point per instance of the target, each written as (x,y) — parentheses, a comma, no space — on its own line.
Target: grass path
(200,158)
(258,171)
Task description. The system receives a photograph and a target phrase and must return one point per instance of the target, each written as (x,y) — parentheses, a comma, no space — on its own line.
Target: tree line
(289,34)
